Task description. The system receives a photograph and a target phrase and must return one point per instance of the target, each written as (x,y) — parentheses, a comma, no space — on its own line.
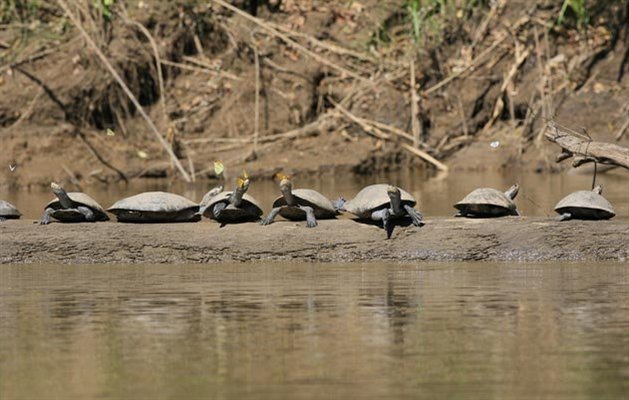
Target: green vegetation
(577,7)
(19,10)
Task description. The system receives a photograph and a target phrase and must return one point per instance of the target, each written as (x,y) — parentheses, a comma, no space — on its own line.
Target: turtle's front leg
(564,217)
(416,216)
(311,221)
(339,204)
(45,219)
(218,209)
(2,219)
(87,213)
(269,218)
(384,215)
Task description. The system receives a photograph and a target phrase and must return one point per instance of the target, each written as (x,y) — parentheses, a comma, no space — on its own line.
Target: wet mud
(344,240)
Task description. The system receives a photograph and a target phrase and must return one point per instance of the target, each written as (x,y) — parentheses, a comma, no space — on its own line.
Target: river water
(301,331)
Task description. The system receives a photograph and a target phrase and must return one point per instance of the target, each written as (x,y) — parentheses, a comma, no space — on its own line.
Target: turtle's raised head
(285,182)
(243,181)
(393,191)
(513,191)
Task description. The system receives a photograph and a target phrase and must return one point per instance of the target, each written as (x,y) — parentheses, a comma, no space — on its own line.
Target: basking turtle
(72,207)
(236,206)
(8,211)
(155,207)
(300,204)
(382,202)
(585,204)
(487,202)
(219,168)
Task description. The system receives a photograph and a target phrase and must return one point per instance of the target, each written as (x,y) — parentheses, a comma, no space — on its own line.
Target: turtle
(300,204)
(488,202)
(585,204)
(382,202)
(8,211)
(155,207)
(72,207)
(236,206)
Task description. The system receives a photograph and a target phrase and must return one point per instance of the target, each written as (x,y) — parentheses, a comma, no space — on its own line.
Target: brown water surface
(436,194)
(295,331)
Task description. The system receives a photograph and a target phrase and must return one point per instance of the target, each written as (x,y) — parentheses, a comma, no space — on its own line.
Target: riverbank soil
(343,240)
(304,86)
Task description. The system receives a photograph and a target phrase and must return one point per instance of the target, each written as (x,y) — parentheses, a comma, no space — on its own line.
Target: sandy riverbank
(343,240)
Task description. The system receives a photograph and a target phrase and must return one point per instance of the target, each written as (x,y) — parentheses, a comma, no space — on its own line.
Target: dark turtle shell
(322,206)
(9,211)
(155,207)
(375,197)
(248,210)
(585,204)
(71,215)
(486,202)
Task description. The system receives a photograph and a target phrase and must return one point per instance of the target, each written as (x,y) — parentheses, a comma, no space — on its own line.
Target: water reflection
(538,193)
(311,331)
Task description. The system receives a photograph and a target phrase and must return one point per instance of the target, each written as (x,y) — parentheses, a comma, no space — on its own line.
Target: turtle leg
(384,216)
(311,221)
(415,215)
(269,218)
(339,203)
(87,213)
(564,217)
(2,219)
(45,219)
(218,209)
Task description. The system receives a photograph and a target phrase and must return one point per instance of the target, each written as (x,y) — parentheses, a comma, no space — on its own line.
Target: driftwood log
(585,150)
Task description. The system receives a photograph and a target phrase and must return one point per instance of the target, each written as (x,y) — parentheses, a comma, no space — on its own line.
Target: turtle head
(598,189)
(513,191)
(56,188)
(243,181)
(61,194)
(395,196)
(286,185)
(393,192)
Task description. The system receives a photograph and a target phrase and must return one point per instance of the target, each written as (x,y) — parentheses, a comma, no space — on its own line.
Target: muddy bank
(334,92)
(344,240)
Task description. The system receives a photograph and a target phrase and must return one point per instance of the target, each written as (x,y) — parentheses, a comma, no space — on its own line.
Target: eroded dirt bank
(344,240)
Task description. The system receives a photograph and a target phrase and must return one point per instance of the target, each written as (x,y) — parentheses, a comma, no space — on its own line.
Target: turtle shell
(155,207)
(8,210)
(322,206)
(586,204)
(374,197)
(486,202)
(71,215)
(248,210)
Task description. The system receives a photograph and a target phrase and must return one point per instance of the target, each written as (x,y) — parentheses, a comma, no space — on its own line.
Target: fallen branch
(210,68)
(585,150)
(325,122)
(126,89)
(371,128)
(623,129)
(95,153)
